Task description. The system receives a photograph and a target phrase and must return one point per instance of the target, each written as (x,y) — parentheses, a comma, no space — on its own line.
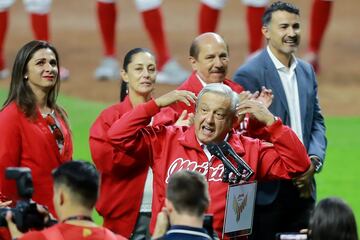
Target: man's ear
(169,205)
(193,63)
(265,32)
(62,198)
(124,76)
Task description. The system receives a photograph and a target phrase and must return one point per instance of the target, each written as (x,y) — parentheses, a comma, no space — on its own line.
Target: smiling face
(141,74)
(212,62)
(213,118)
(283,34)
(42,70)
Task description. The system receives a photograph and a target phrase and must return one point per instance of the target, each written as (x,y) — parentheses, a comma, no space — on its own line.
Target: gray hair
(221,89)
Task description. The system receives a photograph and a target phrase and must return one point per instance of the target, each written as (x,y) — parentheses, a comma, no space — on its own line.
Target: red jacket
(194,85)
(175,148)
(122,176)
(63,231)
(30,143)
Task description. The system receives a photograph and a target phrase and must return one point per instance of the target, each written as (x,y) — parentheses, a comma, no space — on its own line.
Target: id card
(239,211)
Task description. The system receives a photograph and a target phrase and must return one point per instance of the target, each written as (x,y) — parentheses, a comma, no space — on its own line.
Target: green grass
(81,115)
(341,171)
(338,178)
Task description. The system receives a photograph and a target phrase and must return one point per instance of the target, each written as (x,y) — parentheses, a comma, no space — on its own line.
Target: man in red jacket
(209,59)
(176,148)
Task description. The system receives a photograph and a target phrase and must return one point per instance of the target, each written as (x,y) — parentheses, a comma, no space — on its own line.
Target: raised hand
(184,96)
(257,110)
(245,95)
(185,119)
(266,96)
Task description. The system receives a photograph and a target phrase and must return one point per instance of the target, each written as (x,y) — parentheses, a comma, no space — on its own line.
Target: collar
(278,64)
(127,101)
(187,230)
(203,83)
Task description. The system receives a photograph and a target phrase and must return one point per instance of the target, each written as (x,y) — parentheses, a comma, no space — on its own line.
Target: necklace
(79,217)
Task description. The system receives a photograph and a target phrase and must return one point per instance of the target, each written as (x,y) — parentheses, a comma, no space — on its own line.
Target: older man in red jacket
(175,148)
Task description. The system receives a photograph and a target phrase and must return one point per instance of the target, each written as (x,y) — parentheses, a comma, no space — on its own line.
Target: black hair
(127,60)
(188,191)
(333,219)
(81,178)
(278,6)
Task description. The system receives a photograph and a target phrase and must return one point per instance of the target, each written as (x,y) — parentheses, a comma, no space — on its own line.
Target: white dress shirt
(289,83)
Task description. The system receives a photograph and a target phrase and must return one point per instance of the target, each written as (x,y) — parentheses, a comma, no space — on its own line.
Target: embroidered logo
(239,203)
(213,173)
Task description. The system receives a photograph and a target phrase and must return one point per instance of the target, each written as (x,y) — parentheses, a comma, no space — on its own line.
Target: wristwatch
(315,160)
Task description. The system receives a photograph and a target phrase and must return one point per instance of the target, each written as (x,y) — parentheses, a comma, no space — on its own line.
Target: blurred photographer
(332,219)
(187,199)
(76,186)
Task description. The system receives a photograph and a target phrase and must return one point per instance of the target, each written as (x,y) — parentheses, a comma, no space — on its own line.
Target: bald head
(209,57)
(203,39)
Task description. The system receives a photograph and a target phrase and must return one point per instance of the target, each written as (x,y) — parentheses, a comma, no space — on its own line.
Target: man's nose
(292,32)
(218,62)
(209,118)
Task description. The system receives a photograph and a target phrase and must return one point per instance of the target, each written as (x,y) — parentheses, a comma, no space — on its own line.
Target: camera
(208,224)
(291,236)
(25,214)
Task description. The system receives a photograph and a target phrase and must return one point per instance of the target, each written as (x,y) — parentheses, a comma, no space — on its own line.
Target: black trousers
(288,213)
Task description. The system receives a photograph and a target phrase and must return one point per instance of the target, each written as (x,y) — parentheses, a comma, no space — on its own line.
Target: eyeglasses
(59,137)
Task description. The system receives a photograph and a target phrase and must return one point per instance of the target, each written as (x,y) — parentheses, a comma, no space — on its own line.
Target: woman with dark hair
(34,128)
(333,219)
(126,183)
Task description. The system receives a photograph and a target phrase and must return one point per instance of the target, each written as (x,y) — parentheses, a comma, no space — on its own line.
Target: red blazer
(30,143)
(194,85)
(122,176)
(175,148)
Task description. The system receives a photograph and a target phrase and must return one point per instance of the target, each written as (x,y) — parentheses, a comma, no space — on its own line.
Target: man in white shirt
(285,206)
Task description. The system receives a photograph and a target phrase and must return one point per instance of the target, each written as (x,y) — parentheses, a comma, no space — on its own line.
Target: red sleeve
(101,151)
(126,133)
(10,146)
(33,235)
(103,154)
(119,237)
(284,156)
(167,116)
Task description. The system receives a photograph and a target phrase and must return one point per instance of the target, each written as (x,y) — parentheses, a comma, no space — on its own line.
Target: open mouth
(291,42)
(218,72)
(207,131)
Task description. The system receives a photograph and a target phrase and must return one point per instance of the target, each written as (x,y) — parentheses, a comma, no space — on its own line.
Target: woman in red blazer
(34,128)
(125,199)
